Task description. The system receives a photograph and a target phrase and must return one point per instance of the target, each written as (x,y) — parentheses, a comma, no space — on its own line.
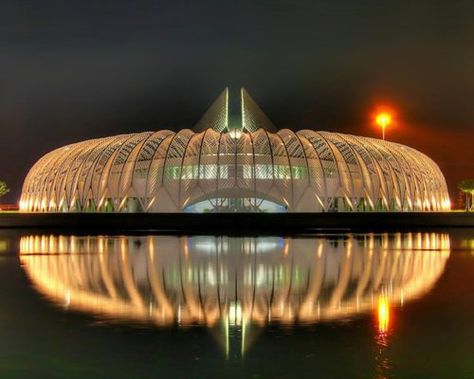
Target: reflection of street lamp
(383,314)
(382,359)
(383,119)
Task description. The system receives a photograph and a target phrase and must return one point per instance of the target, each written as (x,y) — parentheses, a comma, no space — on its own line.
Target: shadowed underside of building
(234,164)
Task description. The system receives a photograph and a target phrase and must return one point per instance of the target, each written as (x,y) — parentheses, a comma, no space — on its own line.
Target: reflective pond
(389,305)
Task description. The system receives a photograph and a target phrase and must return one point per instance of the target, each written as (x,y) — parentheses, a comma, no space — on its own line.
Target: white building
(229,165)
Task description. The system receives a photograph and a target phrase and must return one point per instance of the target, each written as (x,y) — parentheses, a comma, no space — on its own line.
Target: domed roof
(228,165)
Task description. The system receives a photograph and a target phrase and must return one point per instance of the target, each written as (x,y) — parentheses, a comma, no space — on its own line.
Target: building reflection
(467,244)
(200,280)
(228,282)
(3,245)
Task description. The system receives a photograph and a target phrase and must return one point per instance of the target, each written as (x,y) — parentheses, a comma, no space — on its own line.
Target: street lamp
(383,119)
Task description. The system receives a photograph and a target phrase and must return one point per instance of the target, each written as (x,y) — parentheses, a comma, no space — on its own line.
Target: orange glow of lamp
(383,120)
(383,314)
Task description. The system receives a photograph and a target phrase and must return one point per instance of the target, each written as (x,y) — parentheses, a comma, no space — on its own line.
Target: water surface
(390,305)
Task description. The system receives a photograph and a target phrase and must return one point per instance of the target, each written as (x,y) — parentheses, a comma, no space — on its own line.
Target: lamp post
(383,120)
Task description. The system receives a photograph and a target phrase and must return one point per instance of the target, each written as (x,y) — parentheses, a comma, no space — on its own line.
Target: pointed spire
(217,116)
(253,117)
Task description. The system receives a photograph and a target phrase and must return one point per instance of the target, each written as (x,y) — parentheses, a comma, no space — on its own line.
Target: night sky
(73,70)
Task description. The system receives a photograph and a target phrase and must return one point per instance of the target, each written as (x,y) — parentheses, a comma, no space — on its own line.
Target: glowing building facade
(234,164)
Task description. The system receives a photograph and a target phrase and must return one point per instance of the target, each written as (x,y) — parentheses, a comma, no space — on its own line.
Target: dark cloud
(71,70)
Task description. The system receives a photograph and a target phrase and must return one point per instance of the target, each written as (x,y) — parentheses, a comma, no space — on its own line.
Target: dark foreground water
(398,305)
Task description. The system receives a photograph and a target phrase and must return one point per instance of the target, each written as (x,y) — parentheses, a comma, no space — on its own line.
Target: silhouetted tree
(467,187)
(3,188)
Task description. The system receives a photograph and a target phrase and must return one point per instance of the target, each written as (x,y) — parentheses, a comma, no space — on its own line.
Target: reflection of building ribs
(258,280)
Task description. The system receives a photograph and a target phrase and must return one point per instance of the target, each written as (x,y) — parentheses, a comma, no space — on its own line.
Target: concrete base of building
(234,223)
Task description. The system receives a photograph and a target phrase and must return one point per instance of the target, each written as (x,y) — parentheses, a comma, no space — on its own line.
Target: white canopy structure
(229,164)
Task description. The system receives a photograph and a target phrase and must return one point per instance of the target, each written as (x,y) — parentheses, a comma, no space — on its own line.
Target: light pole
(383,120)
